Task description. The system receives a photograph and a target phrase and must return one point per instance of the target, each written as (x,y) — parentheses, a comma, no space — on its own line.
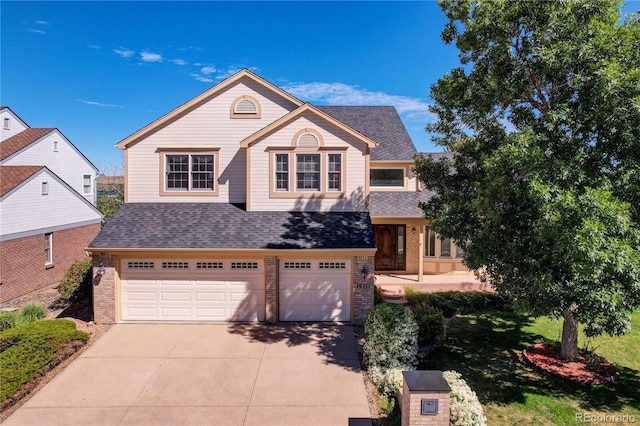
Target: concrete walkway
(231,374)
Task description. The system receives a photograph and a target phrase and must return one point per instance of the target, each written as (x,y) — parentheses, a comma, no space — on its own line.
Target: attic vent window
(6,124)
(245,107)
(308,139)
(55,146)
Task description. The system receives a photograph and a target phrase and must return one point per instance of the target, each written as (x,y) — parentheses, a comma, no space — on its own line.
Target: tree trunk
(569,344)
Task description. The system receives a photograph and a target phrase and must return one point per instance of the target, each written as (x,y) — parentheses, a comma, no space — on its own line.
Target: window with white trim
(334,172)
(388,177)
(189,172)
(48,248)
(86,184)
(308,172)
(282,172)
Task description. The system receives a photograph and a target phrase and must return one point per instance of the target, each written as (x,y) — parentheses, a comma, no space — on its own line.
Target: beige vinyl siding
(26,209)
(207,126)
(353,166)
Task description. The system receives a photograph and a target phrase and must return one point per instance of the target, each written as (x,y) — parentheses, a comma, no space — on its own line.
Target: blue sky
(99,71)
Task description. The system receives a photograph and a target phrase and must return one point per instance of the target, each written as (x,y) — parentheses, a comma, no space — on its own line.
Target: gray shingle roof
(225,226)
(397,204)
(380,123)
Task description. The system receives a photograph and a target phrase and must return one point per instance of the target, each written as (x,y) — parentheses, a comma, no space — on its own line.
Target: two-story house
(47,206)
(246,204)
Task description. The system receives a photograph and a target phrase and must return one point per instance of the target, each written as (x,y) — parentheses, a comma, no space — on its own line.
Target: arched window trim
(235,114)
(300,133)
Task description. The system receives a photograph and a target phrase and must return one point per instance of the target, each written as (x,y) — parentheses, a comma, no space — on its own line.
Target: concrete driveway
(227,374)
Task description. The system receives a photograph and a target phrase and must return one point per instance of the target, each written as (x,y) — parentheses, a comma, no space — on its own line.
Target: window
(282,172)
(86,184)
(244,265)
(334,170)
(430,243)
(308,172)
(189,172)
(6,123)
(48,249)
(386,178)
(175,265)
(45,188)
(55,146)
(140,265)
(445,247)
(245,106)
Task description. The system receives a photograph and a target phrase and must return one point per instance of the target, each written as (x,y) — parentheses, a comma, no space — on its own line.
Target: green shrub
(31,313)
(465,408)
(430,322)
(76,282)
(459,302)
(8,319)
(29,348)
(391,337)
(378,297)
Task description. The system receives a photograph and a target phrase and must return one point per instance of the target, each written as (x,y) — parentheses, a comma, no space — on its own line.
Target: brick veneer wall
(104,290)
(271,289)
(363,288)
(22,268)
(413,249)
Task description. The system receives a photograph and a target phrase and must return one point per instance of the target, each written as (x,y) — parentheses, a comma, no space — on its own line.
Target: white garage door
(315,291)
(192,290)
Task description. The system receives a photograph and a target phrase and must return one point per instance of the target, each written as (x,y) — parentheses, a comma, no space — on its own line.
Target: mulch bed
(545,357)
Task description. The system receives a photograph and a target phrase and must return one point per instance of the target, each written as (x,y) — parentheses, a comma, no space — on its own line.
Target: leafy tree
(543,185)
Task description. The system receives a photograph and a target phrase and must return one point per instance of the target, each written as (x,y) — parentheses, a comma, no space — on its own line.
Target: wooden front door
(390,245)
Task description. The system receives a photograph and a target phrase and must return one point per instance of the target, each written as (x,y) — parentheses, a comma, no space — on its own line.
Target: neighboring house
(45,225)
(47,212)
(247,204)
(47,146)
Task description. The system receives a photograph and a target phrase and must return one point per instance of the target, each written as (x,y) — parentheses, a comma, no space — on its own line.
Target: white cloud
(33,30)
(150,57)
(124,52)
(41,22)
(411,109)
(208,70)
(201,78)
(93,46)
(179,61)
(98,104)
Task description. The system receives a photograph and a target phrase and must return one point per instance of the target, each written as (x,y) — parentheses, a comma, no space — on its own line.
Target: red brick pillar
(271,289)
(104,289)
(363,287)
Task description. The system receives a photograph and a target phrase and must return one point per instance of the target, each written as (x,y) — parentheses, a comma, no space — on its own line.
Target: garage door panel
(174,296)
(315,291)
(191,294)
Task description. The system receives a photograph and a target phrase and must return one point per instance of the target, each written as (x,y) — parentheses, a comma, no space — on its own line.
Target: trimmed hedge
(76,282)
(452,303)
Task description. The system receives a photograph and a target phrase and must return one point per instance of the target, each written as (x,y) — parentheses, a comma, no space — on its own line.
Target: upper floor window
(390,178)
(308,172)
(45,188)
(334,171)
(282,172)
(190,173)
(55,146)
(6,123)
(246,106)
(87,188)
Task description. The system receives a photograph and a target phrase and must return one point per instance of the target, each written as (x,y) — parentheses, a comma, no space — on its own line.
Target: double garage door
(192,290)
(199,290)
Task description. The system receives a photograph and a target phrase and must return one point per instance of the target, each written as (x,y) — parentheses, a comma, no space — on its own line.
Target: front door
(391,247)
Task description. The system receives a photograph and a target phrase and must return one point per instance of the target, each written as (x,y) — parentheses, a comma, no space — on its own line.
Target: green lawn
(27,351)
(486,350)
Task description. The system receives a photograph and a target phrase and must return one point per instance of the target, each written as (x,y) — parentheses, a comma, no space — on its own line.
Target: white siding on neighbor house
(207,126)
(15,124)
(354,167)
(26,210)
(66,162)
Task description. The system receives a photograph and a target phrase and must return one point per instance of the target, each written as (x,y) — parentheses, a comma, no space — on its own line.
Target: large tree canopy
(543,192)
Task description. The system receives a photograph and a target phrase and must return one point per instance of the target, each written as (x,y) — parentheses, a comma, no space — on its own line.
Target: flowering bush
(391,346)
(465,407)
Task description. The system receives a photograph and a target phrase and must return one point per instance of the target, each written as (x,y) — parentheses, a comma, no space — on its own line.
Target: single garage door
(314,290)
(192,290)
